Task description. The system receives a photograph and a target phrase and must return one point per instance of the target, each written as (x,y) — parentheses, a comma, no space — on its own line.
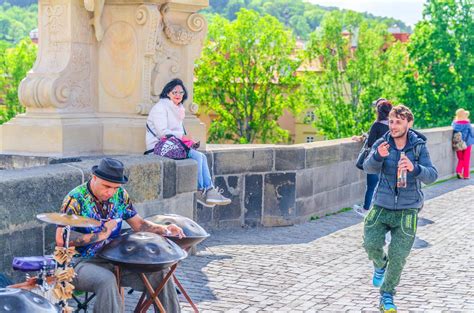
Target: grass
(440,181)
(443,180)
(315,217)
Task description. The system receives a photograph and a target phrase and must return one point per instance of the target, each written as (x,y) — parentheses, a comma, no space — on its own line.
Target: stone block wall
(281,185)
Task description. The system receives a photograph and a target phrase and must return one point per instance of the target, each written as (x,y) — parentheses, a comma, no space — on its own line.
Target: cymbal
(64,219)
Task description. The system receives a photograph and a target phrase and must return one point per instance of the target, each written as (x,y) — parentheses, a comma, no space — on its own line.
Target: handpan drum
(143,252)
(194,233)
(23,301)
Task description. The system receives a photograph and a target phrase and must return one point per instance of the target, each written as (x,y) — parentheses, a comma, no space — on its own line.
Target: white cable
(78,168)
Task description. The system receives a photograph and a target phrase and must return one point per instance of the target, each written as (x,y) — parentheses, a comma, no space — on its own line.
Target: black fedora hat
(110,170)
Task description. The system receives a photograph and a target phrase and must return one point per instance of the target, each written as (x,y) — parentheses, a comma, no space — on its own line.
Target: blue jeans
(372,181)
(204,176)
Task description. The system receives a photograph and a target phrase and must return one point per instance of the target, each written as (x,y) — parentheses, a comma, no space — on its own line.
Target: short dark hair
(170,86)
(403,112)
(384,107)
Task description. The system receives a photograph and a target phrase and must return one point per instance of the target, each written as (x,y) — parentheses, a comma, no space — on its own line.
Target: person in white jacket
(166,118)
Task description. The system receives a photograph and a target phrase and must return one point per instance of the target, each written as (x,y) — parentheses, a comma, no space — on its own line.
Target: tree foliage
(19,3)
(355,69)
(16,22)
(301,16)
(15,62)
(441,75)
(246,76)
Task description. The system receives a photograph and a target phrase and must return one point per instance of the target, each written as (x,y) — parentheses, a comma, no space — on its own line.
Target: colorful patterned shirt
(81,201)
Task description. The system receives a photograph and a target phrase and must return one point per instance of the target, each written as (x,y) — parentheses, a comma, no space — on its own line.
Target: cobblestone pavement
(320,266)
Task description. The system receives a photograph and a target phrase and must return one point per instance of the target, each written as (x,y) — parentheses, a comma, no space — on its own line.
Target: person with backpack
(462,125)
(377,130)
(400,156)
(166,119)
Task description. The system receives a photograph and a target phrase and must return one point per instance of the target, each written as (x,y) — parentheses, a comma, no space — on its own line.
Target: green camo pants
(402,225)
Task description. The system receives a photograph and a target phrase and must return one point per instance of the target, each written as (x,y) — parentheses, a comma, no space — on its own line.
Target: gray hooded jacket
(387,194)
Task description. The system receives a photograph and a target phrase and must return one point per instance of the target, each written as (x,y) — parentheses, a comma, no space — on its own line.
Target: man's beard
(400,135)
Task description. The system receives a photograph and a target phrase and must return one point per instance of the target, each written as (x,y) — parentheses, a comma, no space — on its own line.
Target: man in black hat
(103,198)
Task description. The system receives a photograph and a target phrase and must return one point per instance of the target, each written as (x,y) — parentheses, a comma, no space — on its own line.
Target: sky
(409,11)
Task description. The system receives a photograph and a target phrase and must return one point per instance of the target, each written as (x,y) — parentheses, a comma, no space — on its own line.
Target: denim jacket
(465,128)
(387,194)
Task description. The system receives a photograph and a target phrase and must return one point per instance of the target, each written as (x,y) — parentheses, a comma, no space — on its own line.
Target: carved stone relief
(70,90)
(73,89)
(55,22)
(166,61)
(83,30)
(182,35)
(119,60)
(150,18)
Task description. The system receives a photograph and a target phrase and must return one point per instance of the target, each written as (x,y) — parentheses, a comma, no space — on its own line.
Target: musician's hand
(109,227)
(174,230)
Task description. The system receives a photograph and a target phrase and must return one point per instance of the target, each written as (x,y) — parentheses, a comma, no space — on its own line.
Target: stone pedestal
(85,96)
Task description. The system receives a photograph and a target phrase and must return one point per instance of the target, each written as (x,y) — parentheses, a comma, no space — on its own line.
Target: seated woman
(166,118)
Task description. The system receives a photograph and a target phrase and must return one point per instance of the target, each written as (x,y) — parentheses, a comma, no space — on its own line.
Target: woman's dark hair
(383,109)
(170,86)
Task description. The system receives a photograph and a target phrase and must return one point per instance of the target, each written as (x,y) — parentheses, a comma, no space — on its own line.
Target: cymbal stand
(65,272)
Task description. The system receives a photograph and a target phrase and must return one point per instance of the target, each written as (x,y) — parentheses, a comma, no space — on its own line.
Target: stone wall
(281,185)
(269,185)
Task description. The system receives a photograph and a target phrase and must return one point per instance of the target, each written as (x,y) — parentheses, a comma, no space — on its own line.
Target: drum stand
(146,304)
(143,304)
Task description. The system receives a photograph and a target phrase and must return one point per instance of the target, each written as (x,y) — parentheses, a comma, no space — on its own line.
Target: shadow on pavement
(194,280)
(295,234)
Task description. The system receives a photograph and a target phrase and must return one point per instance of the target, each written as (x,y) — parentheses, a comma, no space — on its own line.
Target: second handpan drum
(194,233)
(23,301)
(143,252)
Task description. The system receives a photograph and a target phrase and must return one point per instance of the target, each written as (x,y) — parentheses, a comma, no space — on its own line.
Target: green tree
(246,76)
(314,16)
(355,69)
(441,50)
(17,22)
(233,7)
(15,62)
(301,16)
(217,6)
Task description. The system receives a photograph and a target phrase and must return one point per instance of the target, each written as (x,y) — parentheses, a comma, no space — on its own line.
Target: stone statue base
(78,135)
(98,74)
(81,135)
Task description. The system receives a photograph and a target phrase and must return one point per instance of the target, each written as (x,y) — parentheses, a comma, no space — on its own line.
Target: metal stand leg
(185,294)
(154,296)
(154,293)
(140,302)
(120,289)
